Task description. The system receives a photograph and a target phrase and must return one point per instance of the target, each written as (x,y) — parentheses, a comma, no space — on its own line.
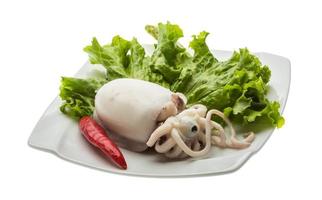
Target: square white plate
(60,135)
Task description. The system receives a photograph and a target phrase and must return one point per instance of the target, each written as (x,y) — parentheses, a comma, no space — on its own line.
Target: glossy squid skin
(131,109)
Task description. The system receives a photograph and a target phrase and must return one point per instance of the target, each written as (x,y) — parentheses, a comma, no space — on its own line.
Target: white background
(43,40)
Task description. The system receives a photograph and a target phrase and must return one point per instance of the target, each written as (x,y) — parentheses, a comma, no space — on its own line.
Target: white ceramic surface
(60,135)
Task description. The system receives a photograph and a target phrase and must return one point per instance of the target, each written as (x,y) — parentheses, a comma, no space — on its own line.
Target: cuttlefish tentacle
(219,140)
(234,142)
(165,146)
(176,136)
(158,133)
(174,153)
(173,137)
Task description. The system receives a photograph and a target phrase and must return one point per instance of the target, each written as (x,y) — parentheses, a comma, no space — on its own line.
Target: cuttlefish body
(141,114)
(131,109)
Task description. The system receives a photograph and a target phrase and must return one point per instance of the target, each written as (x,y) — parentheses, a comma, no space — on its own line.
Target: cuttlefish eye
(194,128)
(189,127)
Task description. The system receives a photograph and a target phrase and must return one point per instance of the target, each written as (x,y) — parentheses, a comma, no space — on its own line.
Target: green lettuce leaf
(152,30)
(167,55)
(113,56)
(78,96)
(202,55)
(237,86)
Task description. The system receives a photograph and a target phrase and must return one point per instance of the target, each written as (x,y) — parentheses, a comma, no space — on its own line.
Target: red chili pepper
(97,136)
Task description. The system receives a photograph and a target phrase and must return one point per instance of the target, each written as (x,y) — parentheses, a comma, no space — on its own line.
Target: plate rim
(237,165)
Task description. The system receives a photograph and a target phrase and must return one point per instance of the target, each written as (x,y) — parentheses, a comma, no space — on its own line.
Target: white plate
(60,135)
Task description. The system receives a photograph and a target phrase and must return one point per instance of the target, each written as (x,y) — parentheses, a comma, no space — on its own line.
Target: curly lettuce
(237,86)
(78,96)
